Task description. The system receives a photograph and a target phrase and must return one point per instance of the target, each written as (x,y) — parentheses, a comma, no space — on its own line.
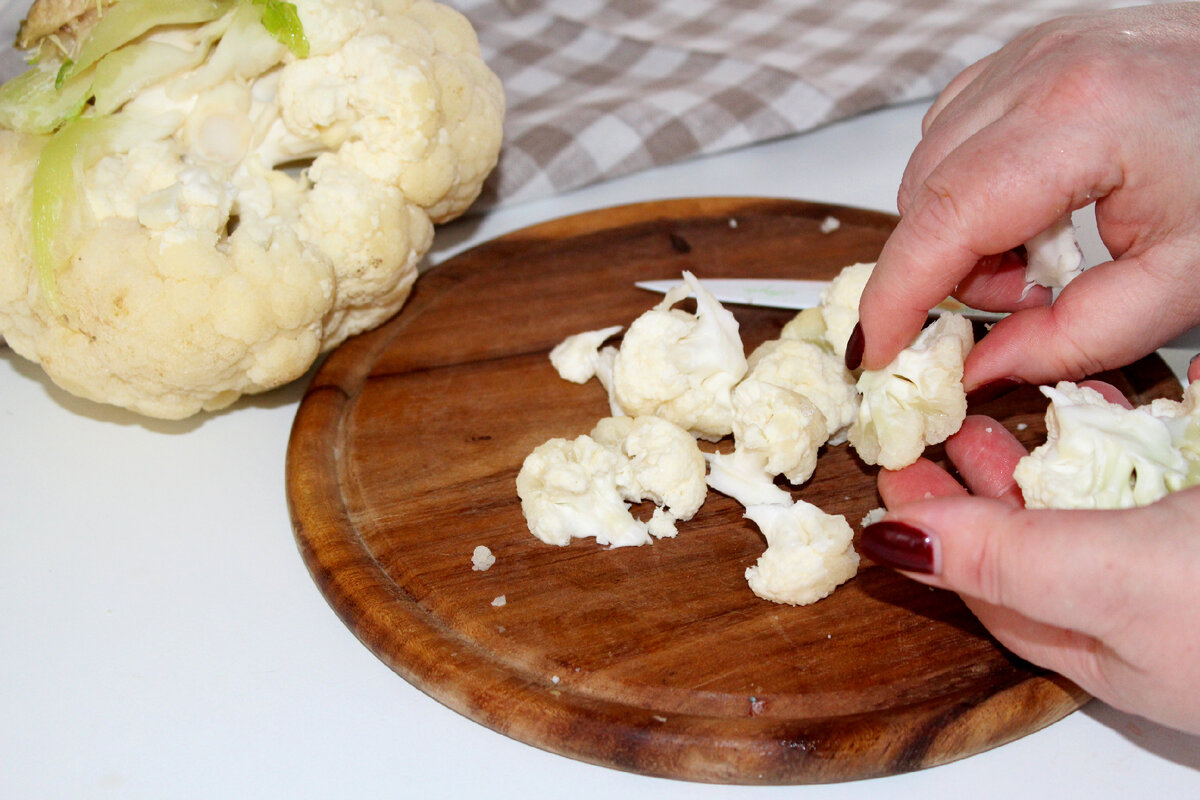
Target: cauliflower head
(582,487)
(217,191)
(1099,454)
(681,366)
(917,400)
(809,553)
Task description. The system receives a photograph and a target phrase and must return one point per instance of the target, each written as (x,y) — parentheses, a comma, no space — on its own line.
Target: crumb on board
(830,224)
(733,222)
(499,601)
(482,559)
(1021,426)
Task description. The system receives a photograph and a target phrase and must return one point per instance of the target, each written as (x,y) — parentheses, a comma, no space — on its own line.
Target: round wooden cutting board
(654,659)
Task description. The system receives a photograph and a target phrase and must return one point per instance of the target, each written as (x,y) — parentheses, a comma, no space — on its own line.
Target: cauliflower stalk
(203,196)
(1099,454)
(581,488)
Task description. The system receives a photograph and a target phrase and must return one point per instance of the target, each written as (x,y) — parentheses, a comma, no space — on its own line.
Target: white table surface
(160,636)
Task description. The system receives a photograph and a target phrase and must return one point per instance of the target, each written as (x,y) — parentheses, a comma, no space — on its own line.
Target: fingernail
(900,546)
(993,389)
(854,347)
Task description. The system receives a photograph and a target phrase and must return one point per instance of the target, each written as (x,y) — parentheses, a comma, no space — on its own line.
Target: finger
(1193,370)
(1108,317)
(990,195)
(985,454)
(1079,570)
(919,481)
(953,89)
(998,283)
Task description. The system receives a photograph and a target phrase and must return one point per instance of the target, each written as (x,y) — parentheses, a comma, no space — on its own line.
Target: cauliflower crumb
(482,559)
(873,516)
(500,601)
(830,224)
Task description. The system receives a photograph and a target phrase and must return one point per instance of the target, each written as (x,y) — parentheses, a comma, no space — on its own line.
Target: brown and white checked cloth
(599,89)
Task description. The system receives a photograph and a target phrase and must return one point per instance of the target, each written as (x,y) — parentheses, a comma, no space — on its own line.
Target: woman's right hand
(1099,107)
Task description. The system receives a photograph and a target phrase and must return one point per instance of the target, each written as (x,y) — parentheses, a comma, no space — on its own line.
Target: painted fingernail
(900,546)
(854,347)
(993,389)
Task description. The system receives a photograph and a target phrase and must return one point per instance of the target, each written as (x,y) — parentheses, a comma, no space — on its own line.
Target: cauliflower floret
(582,487)
(839,304)
(189,266)
(814,373)
(681,366)
(661,463)
(1053,257)
(808,326)
(577,358)
(775,432)
(809,553)
(917,400)
(1099,454)
(568,489)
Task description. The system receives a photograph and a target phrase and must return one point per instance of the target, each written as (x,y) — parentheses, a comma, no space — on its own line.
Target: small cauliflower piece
(681,366)
(577,358)
(809,553)
(742,476)
(1053,257)
(813,372)
(582,487)
(1099,454)
(917,400)
(839,304)
(482,558)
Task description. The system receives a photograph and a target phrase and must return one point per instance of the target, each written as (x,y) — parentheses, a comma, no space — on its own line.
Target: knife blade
(789,293)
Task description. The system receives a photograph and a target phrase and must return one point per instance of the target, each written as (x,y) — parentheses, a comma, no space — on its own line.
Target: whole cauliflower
(216,191)
(682,366)
(582,487)
(918,399)
(809,553)
(1099,454)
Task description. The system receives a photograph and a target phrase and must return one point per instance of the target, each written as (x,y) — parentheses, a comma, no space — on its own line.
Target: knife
(792,294)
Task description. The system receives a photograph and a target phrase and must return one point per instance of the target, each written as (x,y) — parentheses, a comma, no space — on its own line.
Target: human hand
(1100,107)
(1108,599)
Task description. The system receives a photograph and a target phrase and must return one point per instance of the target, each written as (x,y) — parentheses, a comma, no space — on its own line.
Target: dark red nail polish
(854,347)
(993,389)
(899,546)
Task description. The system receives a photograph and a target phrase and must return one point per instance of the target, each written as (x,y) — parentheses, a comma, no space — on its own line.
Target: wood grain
(658,659)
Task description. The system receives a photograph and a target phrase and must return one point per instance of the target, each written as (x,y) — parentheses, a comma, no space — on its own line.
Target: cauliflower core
(190,264)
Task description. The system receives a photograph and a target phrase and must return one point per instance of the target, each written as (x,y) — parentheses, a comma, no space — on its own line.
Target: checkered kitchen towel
(600,88)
